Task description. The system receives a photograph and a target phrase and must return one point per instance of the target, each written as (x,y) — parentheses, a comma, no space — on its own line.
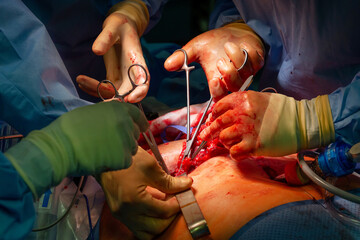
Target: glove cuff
(315,122)
(32,165)
(136,10)
(279,131)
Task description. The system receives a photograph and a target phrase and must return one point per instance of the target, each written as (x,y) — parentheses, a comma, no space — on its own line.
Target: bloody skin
(211,149)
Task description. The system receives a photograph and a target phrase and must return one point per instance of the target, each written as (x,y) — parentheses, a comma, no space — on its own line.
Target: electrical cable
(67,210)
(91,235)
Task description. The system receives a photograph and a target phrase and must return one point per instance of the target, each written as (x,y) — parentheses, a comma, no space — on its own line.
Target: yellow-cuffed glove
(87,140)
(119,43)
(270,124)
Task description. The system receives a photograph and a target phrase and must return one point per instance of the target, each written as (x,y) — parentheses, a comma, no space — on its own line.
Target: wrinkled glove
(214,49)
(270,124)
(119,42)
(145,211)
(87,140)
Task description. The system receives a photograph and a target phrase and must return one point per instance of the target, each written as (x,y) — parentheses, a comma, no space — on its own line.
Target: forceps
(150,141)
(190,209)
(187,70)
(190,142)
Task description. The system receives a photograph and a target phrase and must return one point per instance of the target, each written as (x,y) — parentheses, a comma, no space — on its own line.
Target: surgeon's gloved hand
(270,124)
(87,140)
(145,211)
(119,42)
(220,54)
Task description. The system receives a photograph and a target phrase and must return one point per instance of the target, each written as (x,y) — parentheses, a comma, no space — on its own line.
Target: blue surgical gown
(17,213)
(312,48)
(44,45)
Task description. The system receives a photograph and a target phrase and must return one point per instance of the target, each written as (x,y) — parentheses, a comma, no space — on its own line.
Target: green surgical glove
(270,124)
(87,140)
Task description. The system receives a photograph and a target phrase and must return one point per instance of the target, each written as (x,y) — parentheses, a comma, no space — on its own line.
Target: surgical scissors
(133,84)
(150,141)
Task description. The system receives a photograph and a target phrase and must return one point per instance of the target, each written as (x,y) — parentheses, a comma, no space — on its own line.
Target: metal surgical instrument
(150,140)
(244,87)
(189,143)
(190,209)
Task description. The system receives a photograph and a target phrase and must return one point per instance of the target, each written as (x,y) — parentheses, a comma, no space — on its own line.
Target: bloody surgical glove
(87,140)
(145,211)
(270,124)
(119,42)
(220,54)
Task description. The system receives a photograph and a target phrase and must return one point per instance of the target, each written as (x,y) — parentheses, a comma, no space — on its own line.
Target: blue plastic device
(334,160)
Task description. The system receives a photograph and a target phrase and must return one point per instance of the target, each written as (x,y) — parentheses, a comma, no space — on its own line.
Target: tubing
(321,182)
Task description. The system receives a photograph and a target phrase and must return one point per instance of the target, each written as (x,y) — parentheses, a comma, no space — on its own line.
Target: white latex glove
(270,124)
(119,42)
(214,49)
(144,211)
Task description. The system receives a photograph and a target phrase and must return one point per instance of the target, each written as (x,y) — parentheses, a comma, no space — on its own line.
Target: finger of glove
(222,106)
(255,53)
(217,87)
(113,66)
(136,134)
(138,94)
(131,53)
(223,121)
(109,35)
(238,58)
(141,78)
(129,134)
(158,208)
(230,75)
(165,182)
(127,127)
(234,134)
(246,146)
(90,85)
(176,60)
(138,117)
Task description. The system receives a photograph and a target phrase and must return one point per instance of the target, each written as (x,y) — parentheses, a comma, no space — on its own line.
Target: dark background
(181,21)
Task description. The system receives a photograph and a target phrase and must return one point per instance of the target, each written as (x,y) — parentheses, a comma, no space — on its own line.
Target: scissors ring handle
(143,68)
(246,58)
(112,84)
